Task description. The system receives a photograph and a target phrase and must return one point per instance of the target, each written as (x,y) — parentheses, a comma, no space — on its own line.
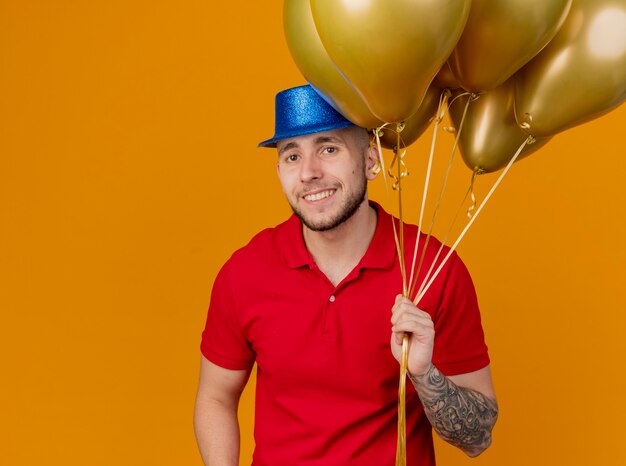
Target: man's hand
(407,318)
(462,414)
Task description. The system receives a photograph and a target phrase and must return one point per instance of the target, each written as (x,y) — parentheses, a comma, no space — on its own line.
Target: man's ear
(372,162)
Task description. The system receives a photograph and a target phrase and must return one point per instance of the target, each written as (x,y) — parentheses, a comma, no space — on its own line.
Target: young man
(314,302)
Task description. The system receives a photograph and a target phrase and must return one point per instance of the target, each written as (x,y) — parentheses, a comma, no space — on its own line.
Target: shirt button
(332,299)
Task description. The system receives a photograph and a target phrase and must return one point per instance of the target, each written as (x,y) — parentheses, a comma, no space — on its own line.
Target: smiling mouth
(319,195)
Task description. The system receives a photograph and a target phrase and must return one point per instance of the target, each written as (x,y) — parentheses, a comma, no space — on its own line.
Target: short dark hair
(361,137)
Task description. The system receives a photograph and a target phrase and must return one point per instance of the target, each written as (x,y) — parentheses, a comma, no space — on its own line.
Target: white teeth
(318,196)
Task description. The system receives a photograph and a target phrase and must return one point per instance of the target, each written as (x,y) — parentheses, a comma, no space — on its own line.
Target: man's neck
(336,252)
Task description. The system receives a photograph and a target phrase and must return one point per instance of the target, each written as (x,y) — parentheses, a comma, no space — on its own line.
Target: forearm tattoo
(461,416)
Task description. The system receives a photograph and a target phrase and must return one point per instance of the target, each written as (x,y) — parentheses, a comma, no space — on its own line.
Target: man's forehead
(335,135)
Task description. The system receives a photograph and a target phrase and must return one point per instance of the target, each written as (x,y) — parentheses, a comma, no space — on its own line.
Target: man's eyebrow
(288,146)
(318,140)
(325,139)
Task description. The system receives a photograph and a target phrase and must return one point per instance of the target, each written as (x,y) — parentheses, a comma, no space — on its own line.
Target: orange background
(129,173)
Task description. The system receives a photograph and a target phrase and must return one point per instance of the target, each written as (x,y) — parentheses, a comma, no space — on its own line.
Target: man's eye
(292,158)
(330,150)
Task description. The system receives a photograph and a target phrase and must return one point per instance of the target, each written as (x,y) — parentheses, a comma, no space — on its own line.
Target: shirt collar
(380,254)
(291,244)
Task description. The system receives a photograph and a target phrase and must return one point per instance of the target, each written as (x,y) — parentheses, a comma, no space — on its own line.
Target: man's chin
(322,223)
(326,221)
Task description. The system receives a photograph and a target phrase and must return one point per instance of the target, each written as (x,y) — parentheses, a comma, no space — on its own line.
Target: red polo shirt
(326,379)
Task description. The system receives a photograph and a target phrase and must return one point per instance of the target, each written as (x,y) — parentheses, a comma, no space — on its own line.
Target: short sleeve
(459,338)
(223,342)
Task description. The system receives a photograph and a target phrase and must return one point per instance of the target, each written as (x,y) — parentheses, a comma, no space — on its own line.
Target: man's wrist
(418,377)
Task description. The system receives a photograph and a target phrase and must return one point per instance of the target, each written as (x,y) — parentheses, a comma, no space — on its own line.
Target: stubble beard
(348,209)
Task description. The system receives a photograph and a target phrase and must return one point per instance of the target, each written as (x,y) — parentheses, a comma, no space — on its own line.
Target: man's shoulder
(263,246)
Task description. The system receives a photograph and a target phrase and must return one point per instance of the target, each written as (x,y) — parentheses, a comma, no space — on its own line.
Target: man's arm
(462,415)
(215,419)
(462,408)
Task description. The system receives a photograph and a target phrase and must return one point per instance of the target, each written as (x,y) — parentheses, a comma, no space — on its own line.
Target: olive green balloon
(417,124)
(580,75)
(317,67)
(501,36)
(490,136)
(390,50)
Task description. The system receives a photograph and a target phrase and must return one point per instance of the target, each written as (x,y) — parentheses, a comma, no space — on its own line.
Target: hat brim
(303,132)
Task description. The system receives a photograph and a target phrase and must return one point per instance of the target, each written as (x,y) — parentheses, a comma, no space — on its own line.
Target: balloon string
(399,153)
(473,96)
(399,246)
(401,445)
(441,193)
(420,295)
(444,241)
(381,161)
(459,130)
(381,168)
(470,209)
(399,240)
(440,110)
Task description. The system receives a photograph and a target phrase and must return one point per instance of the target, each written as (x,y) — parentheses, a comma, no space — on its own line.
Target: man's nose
(311,168)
